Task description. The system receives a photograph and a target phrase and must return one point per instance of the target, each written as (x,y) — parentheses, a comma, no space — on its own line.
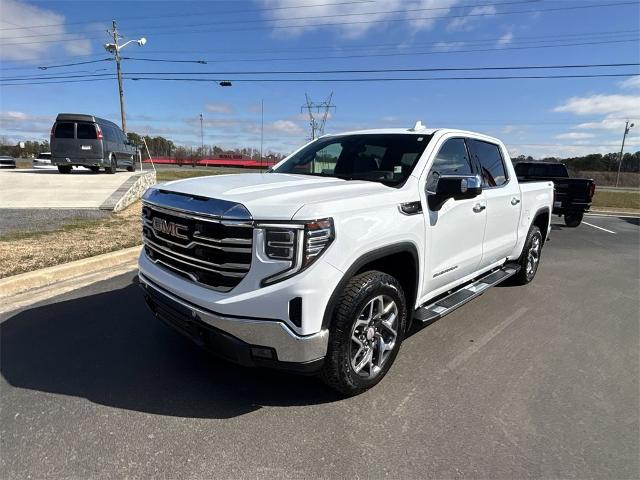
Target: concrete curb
(23,282)
(130,191)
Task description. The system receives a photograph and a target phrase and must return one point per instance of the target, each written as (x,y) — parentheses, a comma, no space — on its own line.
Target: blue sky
(538,117)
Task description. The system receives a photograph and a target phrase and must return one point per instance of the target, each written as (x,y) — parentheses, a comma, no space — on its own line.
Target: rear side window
(64,130)
(452,159)
(87,131)
(108,133)
(490,160)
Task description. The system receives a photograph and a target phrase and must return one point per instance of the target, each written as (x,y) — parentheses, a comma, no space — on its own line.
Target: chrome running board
(447,304)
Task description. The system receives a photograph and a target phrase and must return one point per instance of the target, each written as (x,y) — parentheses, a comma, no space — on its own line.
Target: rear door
(63,144)
(455,232)
(88,144)
(503,201)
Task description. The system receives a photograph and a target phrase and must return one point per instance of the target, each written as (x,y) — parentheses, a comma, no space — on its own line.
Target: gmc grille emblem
(160,225)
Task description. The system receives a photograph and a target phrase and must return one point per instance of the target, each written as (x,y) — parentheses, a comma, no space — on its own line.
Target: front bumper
(250,342)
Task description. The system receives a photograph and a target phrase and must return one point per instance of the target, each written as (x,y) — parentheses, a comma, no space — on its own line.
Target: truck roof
(81,117)
(423,130)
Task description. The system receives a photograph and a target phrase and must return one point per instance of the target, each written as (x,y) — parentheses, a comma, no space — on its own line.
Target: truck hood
(275,196)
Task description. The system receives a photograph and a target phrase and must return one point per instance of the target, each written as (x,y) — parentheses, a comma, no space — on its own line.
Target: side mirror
(458,187)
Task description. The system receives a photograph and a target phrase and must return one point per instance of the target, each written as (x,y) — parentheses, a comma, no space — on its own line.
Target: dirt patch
(26,251)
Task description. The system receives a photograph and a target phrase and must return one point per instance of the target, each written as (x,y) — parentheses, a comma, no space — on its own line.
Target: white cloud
(475,14)
(610,122)
(633,82)
(447,46)
(601,104)
(20,14)
(369,15)
(286,127)
(24,126)
(505,39)
(574,136)
(219,108)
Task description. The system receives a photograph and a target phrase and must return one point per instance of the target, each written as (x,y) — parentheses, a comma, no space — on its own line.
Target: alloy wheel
(533,255)
(373,336)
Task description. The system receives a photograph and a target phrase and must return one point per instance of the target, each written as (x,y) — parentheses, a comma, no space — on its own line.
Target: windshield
(386,158)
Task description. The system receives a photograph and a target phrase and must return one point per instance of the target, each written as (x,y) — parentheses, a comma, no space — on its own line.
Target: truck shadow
(109,349)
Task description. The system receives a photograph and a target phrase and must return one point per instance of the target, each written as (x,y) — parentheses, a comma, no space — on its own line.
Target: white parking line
(610,215)
(599,228)
(481,342)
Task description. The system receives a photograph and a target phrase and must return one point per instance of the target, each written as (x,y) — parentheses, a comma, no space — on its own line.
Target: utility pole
(318,113)
(627,127)
(114,49)
(261,129)
(201,135)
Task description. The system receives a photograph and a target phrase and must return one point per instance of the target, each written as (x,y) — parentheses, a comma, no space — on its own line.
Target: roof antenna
(418,126)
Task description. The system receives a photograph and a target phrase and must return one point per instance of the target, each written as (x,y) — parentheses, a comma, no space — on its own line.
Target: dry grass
(24,252)
(624,200)
(608,179)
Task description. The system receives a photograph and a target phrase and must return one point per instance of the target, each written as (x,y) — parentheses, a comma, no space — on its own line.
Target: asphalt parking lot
(536,381)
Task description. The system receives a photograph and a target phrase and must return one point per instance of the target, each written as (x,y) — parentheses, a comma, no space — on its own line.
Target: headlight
(300,244)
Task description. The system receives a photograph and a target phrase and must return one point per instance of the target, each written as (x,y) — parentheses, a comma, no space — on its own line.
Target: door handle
(515,201)
(478,208)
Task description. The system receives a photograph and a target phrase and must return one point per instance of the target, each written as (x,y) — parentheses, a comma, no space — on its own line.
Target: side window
(325,160)
(108,133)
(452,159)
(490,160)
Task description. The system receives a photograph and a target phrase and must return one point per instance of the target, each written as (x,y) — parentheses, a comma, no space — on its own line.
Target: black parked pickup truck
(572,195)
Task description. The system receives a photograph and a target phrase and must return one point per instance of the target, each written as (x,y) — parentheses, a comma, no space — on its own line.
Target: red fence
(214,162)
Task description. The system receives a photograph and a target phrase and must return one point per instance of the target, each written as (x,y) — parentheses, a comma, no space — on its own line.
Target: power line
(181,14)
(336,80)
(534,39)
(520,39)
(163,28)
(356,71)
(188,32)
(397,54)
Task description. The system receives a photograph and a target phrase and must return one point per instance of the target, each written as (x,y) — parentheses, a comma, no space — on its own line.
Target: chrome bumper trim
(289,346)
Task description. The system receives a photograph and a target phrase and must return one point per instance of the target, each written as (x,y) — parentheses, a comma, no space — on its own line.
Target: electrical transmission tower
(318,113)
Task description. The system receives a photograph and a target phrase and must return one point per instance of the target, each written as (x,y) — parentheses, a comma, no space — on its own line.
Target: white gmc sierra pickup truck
(321,264)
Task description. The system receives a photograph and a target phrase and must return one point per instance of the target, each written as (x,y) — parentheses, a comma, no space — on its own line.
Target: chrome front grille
(214,252)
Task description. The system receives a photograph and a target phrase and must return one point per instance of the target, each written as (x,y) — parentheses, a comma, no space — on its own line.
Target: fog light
(263,352)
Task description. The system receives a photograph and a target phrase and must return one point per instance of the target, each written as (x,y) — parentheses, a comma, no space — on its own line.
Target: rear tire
(572,220)
(94,169)
(113,165)
(530,257)
(366,332)
(64,168)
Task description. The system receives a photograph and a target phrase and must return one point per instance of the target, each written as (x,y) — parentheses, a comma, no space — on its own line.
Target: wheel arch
(400,260)
(541,220)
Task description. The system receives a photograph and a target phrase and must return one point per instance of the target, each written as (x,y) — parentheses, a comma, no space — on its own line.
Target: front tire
(530,257)
(572,220)
(367,330)
(64,168)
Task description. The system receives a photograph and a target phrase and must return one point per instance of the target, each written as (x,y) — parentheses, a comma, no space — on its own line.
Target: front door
(455,231)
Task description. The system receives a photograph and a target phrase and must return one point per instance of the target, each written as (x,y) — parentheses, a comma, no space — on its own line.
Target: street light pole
(627,127)
(201,135)
(123,116)
(261,129)
(114,48)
